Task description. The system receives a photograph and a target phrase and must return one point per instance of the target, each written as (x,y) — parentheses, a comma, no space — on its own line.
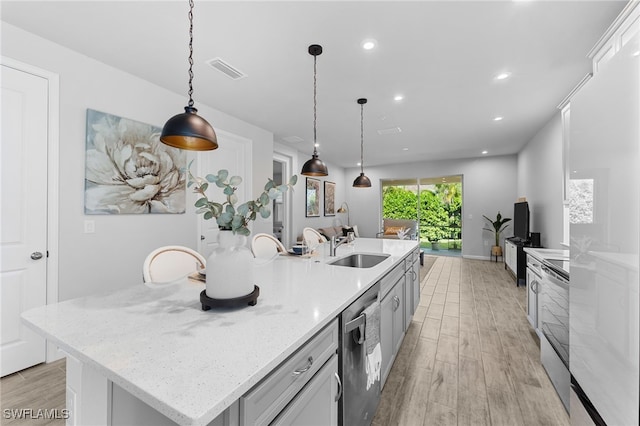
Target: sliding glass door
(436,203)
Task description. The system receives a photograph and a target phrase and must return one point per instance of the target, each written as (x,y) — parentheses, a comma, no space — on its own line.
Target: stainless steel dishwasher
(358,404)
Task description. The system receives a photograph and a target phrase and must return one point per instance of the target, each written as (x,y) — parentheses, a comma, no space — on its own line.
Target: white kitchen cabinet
(511,256)
(533,285)
(621,31)
(516,260)
(391,325)
(317,403)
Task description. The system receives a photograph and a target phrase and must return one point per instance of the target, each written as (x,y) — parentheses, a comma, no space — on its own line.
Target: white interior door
(23,232)
(285,205)
(234,155)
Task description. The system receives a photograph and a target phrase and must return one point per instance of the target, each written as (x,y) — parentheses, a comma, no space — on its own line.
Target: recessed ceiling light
(636,53)
(497,118)
(398,97)
(369,44)
(485,152)
(503,75)
(358,164)
(316,145)
(405,149)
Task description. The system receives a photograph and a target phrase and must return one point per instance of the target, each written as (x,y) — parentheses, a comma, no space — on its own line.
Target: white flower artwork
(128,169)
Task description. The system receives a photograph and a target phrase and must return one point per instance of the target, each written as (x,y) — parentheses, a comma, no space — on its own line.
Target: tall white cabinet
(604,164)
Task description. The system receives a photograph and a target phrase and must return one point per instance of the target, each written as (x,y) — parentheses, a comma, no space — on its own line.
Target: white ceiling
(441,55)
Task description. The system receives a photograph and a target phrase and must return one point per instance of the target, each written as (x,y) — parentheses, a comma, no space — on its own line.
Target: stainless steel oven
(554,325)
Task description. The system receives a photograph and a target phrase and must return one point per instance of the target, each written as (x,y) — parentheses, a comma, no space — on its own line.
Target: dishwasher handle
(358,323)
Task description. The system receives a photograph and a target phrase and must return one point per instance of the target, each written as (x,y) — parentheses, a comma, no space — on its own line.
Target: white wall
(112,257)
(540,173)
(489,186)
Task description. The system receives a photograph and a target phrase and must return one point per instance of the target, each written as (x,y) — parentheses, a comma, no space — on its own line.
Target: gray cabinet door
(415,276)
(398,314)
(386,334)
(533,283)
(408,298)
(317,403)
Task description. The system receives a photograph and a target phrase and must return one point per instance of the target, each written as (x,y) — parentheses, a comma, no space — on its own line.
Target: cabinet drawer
(267,399)
(316,404)
(389,280)
(411,258)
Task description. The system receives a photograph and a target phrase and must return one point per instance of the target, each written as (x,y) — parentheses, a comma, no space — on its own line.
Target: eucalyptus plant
(499,225)
(227,215)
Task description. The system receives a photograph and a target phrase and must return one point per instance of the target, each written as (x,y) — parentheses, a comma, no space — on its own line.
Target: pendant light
(188,130)
(314,166)
(362,181)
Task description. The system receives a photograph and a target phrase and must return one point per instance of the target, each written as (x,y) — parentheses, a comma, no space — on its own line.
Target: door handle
(304,369)
(339,387)
(36,255)
(201,237)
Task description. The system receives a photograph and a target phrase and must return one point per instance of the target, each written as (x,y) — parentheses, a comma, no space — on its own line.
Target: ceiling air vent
(293,139)
(226,69)
(390,131)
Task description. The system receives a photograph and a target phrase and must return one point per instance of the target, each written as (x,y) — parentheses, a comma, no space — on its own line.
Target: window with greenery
(436,206)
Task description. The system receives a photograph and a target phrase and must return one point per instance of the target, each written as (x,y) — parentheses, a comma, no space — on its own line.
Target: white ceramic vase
(230,267)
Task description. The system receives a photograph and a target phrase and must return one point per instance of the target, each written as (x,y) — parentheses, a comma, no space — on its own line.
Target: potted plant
(434,234)
(498,225)
(230,273)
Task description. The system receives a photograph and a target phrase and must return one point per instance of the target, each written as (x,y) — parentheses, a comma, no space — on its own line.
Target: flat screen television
(521,221)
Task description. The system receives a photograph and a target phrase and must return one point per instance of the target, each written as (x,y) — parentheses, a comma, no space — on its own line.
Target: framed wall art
(128,170)
(329,198)
(312,198)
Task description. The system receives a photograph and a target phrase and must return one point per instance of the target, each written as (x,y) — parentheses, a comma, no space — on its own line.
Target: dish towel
(373,361)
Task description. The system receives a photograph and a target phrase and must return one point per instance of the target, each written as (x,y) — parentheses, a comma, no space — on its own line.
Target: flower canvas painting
(128,169)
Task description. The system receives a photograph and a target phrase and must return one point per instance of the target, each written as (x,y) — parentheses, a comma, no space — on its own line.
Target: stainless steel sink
(360,260)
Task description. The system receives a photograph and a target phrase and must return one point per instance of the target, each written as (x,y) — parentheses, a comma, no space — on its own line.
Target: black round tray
(250,299)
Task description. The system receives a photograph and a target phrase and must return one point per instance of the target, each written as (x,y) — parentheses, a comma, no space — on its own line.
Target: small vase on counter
(230,267)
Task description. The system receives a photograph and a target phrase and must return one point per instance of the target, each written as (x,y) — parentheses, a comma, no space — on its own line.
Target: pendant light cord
(362,138)
(315,84)
(190,53)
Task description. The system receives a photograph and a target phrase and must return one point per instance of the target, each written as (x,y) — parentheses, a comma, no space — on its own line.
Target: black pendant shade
(188,130)
(315,166)
(362,181)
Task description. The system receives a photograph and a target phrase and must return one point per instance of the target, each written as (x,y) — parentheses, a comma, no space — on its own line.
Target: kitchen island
(156,345)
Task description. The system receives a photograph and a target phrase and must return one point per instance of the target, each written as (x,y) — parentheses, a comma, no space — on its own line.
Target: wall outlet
(89,226)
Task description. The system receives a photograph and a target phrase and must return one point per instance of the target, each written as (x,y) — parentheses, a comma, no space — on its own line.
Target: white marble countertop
(191,365)
(542,253)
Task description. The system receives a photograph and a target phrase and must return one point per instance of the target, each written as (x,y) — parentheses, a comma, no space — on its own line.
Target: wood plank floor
(469,358)
(37,388)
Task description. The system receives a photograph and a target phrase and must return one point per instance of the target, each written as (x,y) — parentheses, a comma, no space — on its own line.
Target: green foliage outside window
(440,209)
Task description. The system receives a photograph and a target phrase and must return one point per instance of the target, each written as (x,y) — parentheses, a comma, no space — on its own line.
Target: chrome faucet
(334,244)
